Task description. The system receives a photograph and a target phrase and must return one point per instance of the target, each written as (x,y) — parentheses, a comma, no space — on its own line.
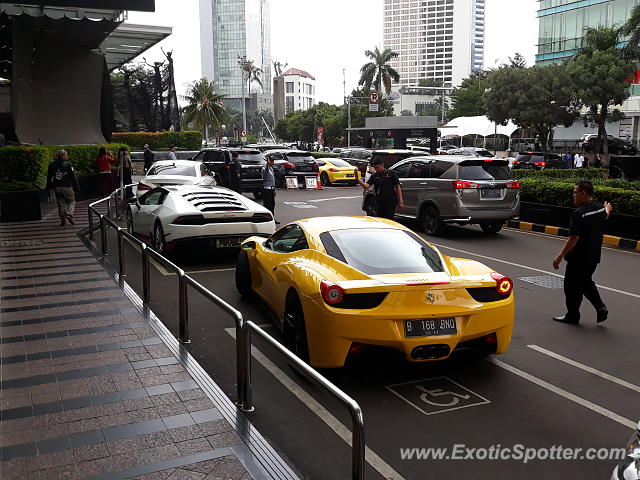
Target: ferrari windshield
(378,251)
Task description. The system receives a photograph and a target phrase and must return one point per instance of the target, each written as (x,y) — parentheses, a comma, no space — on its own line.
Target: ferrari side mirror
(249,246)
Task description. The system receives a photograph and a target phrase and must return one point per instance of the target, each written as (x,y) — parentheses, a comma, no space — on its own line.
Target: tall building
(293,90)
(439,39)
(232,28)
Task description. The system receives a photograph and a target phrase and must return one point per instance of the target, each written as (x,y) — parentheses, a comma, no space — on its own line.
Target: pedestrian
(2,140)
(172,153)
(235,173)
(582,252)
(148,158)
(125,168)
(269,187)
(597,162)
(578,160)
(62,179)
(536,144)
(386,186)
(104,167)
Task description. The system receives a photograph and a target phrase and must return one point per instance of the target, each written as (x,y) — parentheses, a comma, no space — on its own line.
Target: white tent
(480,126)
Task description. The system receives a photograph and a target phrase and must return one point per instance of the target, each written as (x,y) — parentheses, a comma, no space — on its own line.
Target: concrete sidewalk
(92,388)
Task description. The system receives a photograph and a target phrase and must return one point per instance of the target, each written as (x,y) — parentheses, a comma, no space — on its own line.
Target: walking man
(148,158)
(235,173)
(62,179)
(386,186)
(578,160)
(172,153)
(582,253)
(269,188)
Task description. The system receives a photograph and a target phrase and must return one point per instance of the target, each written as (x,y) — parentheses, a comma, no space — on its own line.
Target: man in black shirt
(582,253)
(62,178)
(235,173)
(148,158)
(387,189)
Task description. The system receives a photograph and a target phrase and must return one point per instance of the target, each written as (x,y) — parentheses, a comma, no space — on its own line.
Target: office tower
(438,39)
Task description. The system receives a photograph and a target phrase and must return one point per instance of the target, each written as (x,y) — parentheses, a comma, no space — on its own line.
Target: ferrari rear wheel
(243,274)
(295,330)
(324,179)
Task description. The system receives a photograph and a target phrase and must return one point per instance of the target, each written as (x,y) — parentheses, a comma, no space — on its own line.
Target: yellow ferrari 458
(336,170)
(340,285)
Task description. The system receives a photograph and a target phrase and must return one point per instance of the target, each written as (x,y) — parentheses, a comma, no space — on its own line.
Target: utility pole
(244,103)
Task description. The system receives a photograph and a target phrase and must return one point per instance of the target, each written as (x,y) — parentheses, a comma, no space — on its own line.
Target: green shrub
(188,140)
(560,173)
(324,155)
(23,168)
(560,194)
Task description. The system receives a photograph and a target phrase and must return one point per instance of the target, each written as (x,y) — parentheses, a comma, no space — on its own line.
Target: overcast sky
(326,37)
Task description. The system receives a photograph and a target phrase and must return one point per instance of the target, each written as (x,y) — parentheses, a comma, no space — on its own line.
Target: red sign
(374,97)
(635,79)
(320,135)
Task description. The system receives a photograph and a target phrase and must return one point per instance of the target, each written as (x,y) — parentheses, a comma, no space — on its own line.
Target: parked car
(389,157)
(463,190)
(358,157)
(629,469)
(217,216)
(419,148)
(617,146)
(471,152)
(539,161)
(263,147)
(175,172)
(251,161)
(336,170)
(217,160)
(443,149)
(292,163)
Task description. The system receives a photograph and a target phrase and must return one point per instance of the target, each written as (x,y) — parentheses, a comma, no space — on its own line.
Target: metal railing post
(183,307)
(109,206)
(121,260)
(243,352)
(90,224)
(103,237)
(146,274)
(358,444)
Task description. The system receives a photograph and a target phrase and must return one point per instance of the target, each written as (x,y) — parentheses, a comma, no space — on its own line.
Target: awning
(62,12)
(128,41)
(480,126)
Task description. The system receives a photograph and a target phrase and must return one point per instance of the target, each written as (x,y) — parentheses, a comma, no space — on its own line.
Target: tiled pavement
(87,388)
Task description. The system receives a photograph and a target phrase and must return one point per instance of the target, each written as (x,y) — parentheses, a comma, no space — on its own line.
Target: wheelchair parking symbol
(436,395)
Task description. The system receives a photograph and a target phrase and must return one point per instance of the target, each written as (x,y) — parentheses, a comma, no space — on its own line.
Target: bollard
(103,237)
(146,280)
(121,262)
(183,302)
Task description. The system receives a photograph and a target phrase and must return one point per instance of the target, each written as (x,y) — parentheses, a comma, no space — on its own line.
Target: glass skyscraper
(562,24)
(232,28)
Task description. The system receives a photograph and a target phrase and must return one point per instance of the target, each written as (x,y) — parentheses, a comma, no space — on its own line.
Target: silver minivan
(452,189)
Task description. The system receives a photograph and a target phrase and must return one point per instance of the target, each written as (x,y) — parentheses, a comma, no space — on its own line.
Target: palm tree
(377,72)
(204,107)
(631,29)
(250,74)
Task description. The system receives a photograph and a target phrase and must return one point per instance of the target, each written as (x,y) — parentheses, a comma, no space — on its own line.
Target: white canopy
(480,125)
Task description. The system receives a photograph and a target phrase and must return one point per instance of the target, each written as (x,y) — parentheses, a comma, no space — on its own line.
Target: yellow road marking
(526,226)
(611,240)
(551,230)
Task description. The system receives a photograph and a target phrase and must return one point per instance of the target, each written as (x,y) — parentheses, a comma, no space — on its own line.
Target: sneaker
(63,222)
(602,314)
(70,218)
(566,319)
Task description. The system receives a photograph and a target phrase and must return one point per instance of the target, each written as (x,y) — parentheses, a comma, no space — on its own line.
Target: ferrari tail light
(334,170)
(289,165)
(261,217)
(515,184)
(504,285)
(332,293)
(189,220)
(142,187)
(464,185)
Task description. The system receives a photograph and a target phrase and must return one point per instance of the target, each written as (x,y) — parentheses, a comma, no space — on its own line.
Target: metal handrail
(243,329)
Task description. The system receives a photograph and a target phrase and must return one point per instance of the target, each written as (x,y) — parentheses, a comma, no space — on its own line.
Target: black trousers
(577,284)
(386,210)
(269,199)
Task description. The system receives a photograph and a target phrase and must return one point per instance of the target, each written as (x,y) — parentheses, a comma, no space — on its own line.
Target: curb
(610,240)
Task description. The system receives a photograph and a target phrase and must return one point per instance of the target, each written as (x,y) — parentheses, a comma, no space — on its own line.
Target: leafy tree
(538,97)
(517,61)
(406,113)
(377,72)
(203,108)
(467,100)
(599,72)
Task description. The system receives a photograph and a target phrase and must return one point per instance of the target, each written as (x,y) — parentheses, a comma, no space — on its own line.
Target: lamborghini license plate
(229,242)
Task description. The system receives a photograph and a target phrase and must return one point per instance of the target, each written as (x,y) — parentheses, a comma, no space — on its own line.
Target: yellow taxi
(342,285)
(336,170)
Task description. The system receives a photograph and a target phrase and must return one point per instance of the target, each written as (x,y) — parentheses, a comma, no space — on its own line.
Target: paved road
(575,386)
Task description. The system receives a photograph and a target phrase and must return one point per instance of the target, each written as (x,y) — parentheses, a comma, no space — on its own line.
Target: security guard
(269,187)
(582,253)
(386,186)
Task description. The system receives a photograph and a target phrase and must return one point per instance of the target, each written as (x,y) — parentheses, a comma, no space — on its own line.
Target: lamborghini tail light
(142,187)
(504,285)
(332,293)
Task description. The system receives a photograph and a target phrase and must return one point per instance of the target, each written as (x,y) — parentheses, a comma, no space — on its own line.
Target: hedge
(560,194)
(188,140)
(560,173)
(25,168)
(324,155)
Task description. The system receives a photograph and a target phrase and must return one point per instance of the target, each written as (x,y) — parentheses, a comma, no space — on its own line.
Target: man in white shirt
(578,160)
(172,153)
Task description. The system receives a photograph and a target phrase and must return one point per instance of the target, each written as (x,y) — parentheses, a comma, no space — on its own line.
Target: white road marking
(586,368)
(299,204)
(634,295)
(563,393)
(327,417)
(334,198)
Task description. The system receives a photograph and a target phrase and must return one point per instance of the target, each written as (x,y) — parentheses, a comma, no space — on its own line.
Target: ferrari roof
(318,225)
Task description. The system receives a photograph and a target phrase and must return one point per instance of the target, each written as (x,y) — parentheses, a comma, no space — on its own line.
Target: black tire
(370,205)
(243,274)
(430,221)
(257,194)
(324,179)
(295,329)
(157,239)
(491,228)
(130,222)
